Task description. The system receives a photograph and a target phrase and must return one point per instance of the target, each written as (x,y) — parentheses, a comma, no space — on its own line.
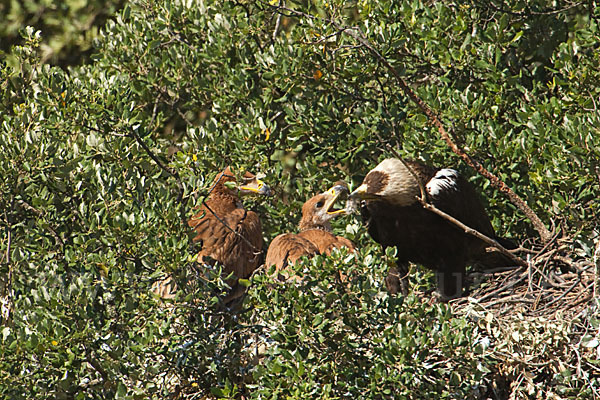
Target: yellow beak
(362,193)
(257,186)
(335,193)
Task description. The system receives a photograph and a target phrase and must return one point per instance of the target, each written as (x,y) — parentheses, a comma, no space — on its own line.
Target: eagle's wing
(286,248)
(204,224)
(242,244)
(326,241)
(321,239)
(341,242)
(234,240)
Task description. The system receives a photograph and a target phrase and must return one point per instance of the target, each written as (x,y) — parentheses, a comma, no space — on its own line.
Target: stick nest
(539,322)
(555,282)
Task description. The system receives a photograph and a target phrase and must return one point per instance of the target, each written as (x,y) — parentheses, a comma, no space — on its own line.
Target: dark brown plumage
(315,236)
(227,232)
(394,217)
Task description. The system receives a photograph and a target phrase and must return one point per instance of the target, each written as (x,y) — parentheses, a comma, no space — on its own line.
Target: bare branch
(561,296)
(277,22)
(357,34)
(503,288)
(37,212)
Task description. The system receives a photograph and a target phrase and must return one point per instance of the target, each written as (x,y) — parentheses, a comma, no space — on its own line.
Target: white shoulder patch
(444,180)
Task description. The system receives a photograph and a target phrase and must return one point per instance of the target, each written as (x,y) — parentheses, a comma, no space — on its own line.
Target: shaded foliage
(68,27)
(102,164)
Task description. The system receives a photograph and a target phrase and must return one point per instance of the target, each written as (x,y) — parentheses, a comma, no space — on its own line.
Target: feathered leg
(397,279)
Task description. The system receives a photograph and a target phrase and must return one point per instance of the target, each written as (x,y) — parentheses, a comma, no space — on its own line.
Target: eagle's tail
(506,243)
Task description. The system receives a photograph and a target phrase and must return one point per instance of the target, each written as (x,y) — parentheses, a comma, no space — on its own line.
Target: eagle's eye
(320,204)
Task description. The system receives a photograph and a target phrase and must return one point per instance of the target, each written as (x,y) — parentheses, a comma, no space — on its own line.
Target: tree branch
(357,35)
(96,365)
(434,119)
(529,13)
(180,200)
(277,23)
(597,262)
(474,232)
(40,214)
(162,166)
(6,305)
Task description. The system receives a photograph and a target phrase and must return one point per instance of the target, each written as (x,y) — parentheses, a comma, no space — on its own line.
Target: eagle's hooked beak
(354,199)
(256,186)
(334,193)
(361,193)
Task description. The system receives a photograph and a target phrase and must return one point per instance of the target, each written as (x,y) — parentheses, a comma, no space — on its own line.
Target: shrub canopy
(102,164)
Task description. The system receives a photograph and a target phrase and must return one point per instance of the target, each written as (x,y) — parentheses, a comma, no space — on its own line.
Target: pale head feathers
(391,180)
(394,182)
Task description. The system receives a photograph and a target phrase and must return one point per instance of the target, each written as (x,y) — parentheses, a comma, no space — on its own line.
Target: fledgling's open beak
(334,193)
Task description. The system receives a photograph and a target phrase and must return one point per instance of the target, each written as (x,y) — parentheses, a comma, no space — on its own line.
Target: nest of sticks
(555,280)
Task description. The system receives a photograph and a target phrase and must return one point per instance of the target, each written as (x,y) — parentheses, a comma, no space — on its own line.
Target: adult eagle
(315,236)
(227,232)
(394,217)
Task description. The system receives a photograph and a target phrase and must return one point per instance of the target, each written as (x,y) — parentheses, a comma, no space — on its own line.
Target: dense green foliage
(102,164)
(68,27)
